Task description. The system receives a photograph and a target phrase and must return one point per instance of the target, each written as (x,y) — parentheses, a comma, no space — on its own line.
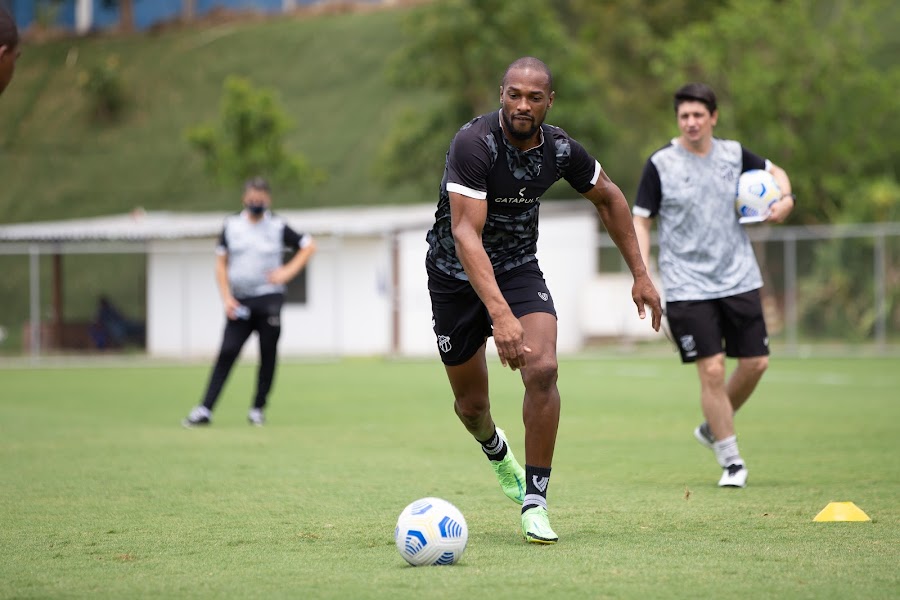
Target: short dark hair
(9,33)
(529,62)
(696,92)
(257,183)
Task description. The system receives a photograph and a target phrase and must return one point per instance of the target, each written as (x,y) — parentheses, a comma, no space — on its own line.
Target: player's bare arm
(228,301)
(616,216)
(468,216)
(779,211)
(642,227)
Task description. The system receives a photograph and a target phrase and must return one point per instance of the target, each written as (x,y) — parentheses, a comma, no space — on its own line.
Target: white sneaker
(734,476)
(199,416)
(256,417)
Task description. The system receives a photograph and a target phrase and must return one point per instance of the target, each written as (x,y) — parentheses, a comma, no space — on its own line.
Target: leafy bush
(105,89)
(249,140)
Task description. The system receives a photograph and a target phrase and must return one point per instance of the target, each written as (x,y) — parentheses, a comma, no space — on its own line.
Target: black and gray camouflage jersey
(704,252)
(482,164)
(255,249)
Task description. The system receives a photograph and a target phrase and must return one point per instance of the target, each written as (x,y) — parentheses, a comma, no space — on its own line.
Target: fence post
(880,266)
(34,268)
(790,289)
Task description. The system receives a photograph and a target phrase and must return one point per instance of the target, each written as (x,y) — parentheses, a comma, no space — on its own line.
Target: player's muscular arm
(467,216)
(613,210)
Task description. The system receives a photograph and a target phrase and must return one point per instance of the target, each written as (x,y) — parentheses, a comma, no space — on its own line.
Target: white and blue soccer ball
(431,531)
(757,191)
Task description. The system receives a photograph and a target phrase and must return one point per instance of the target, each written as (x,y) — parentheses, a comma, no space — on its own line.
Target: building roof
(141,226)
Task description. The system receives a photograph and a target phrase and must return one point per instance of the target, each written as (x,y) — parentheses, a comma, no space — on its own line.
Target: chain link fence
(826,288)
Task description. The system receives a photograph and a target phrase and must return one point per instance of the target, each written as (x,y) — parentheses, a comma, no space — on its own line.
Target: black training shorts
(699,327)
(461,321)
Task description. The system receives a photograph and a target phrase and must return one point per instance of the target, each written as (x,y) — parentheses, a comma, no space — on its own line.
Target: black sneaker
(704,435)
(199,417)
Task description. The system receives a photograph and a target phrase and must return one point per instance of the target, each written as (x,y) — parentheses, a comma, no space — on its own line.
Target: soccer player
(9,48)
(251,277)
(484,278)
(710,276)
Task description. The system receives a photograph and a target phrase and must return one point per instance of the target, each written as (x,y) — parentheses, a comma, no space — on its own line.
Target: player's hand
(779,211)
(231,305)
(279,276)
(644,295)
(509,337)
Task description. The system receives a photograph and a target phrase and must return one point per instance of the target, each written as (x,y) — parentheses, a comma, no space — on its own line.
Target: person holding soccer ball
(252,276)
(710,275)
(484,278)
(9,48)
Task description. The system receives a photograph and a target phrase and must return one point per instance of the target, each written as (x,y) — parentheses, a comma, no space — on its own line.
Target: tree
(821,100)
(459,49)
(623,39)
(249,140)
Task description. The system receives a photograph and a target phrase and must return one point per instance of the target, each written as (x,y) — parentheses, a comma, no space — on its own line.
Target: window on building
(296,288)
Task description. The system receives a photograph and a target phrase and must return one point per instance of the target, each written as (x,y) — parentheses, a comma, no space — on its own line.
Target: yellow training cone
(842,511)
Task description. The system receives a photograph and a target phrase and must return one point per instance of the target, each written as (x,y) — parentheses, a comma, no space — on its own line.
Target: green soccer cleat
(536,526)
(510,473)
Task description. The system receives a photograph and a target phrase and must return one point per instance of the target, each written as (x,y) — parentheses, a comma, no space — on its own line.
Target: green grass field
(104,495)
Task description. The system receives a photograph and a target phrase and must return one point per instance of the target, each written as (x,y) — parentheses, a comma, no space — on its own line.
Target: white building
(366,291)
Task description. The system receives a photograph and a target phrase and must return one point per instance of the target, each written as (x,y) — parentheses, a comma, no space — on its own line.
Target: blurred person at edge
(9,48)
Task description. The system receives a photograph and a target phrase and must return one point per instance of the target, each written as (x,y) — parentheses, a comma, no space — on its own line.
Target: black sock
(537,480)
(495,448)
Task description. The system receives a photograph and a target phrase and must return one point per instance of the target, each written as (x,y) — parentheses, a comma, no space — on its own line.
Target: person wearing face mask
(251,276)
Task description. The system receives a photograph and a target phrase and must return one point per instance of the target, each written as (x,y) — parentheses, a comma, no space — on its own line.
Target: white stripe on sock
(534,499)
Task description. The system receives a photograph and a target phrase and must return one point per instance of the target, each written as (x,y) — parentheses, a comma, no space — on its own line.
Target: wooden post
(58,318)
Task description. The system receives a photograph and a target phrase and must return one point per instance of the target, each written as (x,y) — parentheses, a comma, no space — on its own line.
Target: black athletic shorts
(699,327)
(461,321)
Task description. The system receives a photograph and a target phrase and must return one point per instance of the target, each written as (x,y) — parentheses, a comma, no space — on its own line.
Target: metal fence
(830,287)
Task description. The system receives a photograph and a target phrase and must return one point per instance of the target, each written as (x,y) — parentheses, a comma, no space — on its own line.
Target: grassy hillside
(56,162)
(328,71)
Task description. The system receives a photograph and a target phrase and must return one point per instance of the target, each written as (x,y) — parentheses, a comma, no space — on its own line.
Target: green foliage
(249,140)
(801,82)
(806,84)
(842,272)
(849,312)
(459,50)
(105,90)
(623,38)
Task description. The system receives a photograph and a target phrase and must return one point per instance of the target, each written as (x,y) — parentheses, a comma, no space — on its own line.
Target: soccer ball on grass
(757,191)
(431,531)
